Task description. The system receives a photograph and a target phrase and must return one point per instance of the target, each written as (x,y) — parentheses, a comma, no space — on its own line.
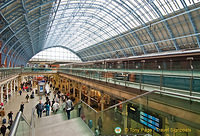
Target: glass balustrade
(140,115)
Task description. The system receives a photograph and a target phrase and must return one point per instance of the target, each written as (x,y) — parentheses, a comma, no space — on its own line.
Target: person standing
(79,109)
(10,114)
(68,107)
(21,107)
(40,108)
(100,124)
(27,97)
(55,107)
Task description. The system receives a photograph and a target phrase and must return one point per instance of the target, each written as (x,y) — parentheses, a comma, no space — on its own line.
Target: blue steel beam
(108,11)
(11,23)
(137,17)
(12,30)
(191,21)
(15,35)
(115,18)
(9,27)
(18,48)
(7,3)
(45,3)
(165,22)
(20,54)
(92,31)
(51,22)
(185,36)
(155,23)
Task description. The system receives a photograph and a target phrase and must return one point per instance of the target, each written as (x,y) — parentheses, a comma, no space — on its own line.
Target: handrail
(147,93)
(138,96)
(15,125)
(181,95)
(89,106)
(33,121)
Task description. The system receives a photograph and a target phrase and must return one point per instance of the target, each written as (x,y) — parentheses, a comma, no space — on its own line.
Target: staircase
(55,125)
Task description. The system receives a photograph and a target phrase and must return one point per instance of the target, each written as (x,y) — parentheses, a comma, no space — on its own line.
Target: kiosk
(41,87)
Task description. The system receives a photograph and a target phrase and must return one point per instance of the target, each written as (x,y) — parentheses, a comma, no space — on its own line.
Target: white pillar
(2,93)
(11,88)
(7,92)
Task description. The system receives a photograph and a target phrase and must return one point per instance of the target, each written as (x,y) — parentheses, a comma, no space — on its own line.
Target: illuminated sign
(150,121)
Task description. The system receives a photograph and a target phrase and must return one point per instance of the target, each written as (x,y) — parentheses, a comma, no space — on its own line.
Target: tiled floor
(44,125)
(14,105)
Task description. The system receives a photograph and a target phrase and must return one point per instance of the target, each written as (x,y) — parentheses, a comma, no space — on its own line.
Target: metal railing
(20,127)
(113,113)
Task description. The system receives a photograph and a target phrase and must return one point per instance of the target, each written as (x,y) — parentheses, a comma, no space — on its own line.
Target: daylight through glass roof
(97,29)
(82,23)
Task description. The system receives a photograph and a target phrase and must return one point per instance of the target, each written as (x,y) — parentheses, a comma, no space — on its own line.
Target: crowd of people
(4,121)
(59,101)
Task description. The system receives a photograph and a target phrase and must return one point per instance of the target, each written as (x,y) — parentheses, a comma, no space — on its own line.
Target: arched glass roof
(55,54)
(97,29)
(81,23)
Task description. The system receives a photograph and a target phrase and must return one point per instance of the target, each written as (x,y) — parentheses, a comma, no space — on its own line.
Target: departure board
(150,121)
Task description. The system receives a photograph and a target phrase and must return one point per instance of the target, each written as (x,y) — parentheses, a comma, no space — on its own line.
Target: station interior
(128,67)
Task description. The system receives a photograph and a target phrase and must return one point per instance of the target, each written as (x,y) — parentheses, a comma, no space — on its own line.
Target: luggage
(4,121)
(32,96)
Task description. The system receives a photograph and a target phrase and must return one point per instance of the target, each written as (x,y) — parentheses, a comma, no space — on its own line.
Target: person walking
(27,98)
(20,91)
(2,104)
(68,107)
(21,107)
(47,106)
(3,130)
(10,114)
(2,114)
(53,101)
(40,108)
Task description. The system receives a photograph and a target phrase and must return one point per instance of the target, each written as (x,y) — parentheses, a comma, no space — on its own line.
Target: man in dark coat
(3,130)
(21,107)
(40,108)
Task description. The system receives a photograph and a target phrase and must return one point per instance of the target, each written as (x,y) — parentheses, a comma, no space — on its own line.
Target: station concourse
(100,67)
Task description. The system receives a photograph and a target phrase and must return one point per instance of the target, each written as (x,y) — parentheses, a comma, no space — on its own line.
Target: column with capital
(73,87)
(125,118)
(2,93)
(7,92)
(88,94)
(69,86)
(80,91)
(102,102)
(11,88)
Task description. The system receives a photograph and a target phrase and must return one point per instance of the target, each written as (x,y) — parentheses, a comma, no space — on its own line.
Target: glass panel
(139,115)
(24,128)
